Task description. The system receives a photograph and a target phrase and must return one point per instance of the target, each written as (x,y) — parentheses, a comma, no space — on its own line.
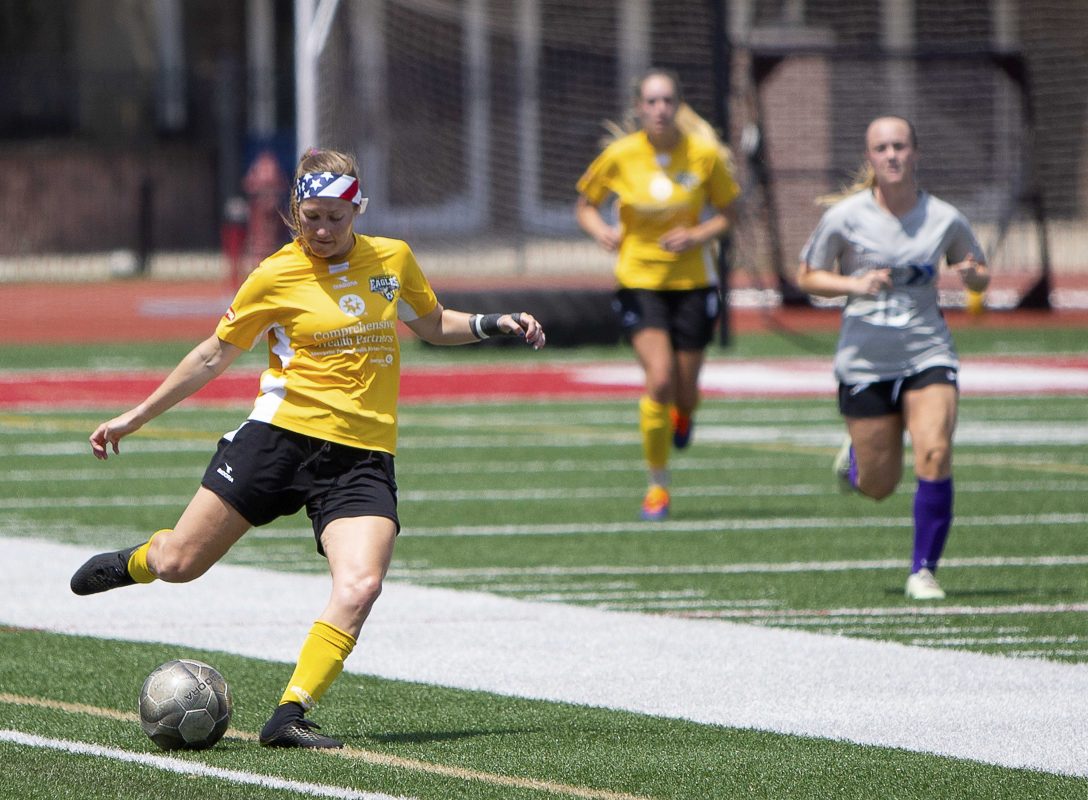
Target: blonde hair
(317,160)
(865,177)
(688,121)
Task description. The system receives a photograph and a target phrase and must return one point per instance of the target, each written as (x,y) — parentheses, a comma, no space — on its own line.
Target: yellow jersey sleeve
(333,351)
(657,192)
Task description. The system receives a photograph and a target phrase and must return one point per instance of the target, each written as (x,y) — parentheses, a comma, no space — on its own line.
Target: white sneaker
(841,468)
(923,586)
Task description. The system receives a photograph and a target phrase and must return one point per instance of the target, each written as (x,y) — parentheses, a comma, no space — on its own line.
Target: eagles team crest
(385,285)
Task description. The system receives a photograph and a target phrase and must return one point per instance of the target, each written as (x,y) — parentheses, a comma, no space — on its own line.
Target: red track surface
(26,390)
(109,389)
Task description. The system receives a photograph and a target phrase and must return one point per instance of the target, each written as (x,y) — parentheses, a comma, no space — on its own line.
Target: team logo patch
(385,285)
(919,274)
(229,315)
(686,179)
(352,304)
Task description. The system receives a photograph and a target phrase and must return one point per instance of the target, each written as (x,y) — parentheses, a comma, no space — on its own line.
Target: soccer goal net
(473,119)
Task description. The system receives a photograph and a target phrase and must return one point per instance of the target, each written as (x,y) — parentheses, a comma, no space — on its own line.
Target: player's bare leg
(359,550)
(208,528)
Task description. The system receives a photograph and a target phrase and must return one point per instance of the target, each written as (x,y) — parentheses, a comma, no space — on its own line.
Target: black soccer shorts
(687,315)
(266,472)
(886,397)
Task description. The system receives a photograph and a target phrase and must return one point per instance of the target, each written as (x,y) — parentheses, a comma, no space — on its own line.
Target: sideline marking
(348,752)
(449,574)
(733,526)
(181,767)
(985,708)
(908,611)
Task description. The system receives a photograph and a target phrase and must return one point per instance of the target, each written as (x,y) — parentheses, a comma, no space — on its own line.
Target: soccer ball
(185,705)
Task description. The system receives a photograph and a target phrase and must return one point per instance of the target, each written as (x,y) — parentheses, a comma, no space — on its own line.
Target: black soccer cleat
(288,728)
(103,572)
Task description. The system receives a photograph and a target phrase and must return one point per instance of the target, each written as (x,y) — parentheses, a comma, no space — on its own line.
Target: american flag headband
(330,184)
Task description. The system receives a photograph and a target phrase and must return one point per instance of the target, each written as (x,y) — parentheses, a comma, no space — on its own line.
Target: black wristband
(474,326)
(488,325)
(484,326)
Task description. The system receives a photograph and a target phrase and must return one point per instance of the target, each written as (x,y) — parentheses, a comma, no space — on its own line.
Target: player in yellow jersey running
(323,431)
(664,176)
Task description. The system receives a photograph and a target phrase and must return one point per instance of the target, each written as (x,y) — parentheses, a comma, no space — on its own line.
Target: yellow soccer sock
(137,562)
(319,664)
(656,429)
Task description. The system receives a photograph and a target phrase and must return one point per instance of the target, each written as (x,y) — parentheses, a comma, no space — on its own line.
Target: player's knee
(174,564)
(933,462)
(876,492)
(659,387)
(358,593)
(878,485)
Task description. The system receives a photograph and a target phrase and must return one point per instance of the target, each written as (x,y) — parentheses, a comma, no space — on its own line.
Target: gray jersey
(901,331)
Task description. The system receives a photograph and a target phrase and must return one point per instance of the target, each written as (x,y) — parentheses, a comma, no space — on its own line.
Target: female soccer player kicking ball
(323,431)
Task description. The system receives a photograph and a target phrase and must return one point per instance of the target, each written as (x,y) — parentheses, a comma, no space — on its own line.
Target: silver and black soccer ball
(185,705)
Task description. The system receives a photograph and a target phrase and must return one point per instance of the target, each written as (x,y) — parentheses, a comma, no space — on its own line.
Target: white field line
(1015,713)
(478,574)
(865,628)
(668,605)
(747,463)
(567,529)
(560,587)
(513,495)
(356,754)
(917,611)
(195,768)
(889,623)
(557,597)
(735,525)
(1056,434)
(970,641)
(118,469)
(524,493)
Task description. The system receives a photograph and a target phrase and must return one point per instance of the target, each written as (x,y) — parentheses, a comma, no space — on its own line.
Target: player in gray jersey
(882,245)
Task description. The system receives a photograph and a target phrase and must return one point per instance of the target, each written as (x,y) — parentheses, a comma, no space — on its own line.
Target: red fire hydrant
(264,184)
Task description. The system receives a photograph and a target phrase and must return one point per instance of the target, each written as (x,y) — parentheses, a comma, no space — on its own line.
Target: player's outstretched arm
(203,363)
(446,326)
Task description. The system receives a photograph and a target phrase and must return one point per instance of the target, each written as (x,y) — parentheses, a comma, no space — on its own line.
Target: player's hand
(872,283)
(975,275)
(678,240)
(608,237)
(524,324)
(110,434)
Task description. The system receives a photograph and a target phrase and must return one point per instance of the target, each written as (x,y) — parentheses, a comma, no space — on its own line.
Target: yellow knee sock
(656,431)
(319,663)
(137,562)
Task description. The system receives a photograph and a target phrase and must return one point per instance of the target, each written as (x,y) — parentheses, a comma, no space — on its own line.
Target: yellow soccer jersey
(333,351)
(656,194)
